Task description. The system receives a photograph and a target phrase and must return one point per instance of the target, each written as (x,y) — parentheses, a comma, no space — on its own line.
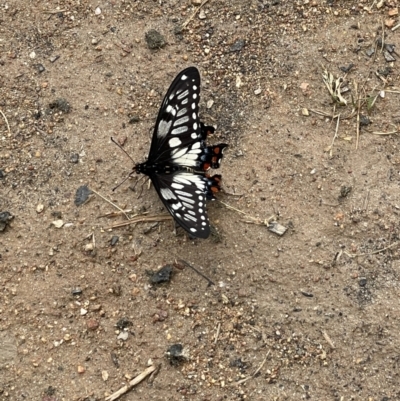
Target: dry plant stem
(328,339)
(5,119)
(371,253)
(131,384)
(111,203)
(141,219)
(210,282)
(217,333)
(232,208)
(385,133)
(184,25)
(335,136)
(255,372)
(358,115)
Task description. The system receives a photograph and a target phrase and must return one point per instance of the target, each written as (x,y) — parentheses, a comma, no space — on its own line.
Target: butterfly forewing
(176,138)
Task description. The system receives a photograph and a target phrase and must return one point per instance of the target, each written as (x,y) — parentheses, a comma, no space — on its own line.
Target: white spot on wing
(177,186)
(184,77)
(163,128)
(183,94)
(167,194)
(181,112)
(180,130)
(174,142)
(181,121)
(193,135)
(192,229)
(196,145)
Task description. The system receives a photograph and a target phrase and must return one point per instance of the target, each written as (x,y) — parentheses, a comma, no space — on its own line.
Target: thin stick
(5,119)
(358,118)
(111,203)
(335,136)
(131,384)
(141,219)
(385,133)
(194,14)
(255,372)
(328,339)
(217,333)
(233,208)
(371,253)
(197,271)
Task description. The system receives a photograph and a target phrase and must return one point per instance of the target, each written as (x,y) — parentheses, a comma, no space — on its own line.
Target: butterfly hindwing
(184,195)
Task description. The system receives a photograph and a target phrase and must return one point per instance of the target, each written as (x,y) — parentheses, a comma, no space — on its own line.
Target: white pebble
(32,55)
(97,11)
(257,91)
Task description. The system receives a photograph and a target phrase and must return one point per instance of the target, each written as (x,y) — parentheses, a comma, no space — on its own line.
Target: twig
(194,14)
(371,253)
(111,203)
(385,133)
(131,384)
(328,339)
(197,271)
(5,119)
(335,136)
(141,219)
(255,372)
(217,333)
(54,11)
(358,117)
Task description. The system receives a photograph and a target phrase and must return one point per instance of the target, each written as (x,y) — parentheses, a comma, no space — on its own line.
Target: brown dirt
(324,321)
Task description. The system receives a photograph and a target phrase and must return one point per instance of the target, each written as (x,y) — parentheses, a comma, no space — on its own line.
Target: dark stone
(123,323)
(74,158)
(237,46)
(154,39)
(161,276)
(5,218)
(114,240)
(175,354)
(82,195)
(362,282)
(60,104)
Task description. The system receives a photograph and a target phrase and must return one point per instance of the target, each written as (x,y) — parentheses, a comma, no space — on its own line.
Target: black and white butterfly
(179,158)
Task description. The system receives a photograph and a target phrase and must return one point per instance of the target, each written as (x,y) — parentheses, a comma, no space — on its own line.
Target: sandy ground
(313,314)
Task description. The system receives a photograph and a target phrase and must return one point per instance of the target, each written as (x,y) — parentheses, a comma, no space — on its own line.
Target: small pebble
(202,14)
(123,336)
(97,11)
(32,55)
(257,91)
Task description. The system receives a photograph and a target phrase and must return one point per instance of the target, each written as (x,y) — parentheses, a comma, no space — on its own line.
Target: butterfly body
(179,158)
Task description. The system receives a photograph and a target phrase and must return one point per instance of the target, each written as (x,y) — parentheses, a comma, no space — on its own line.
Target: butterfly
(179,158)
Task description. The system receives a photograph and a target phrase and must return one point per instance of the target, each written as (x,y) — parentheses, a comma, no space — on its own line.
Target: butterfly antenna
(125,179)
(116,143)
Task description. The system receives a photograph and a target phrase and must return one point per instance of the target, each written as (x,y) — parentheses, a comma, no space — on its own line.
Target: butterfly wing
(177,137)
(184,194)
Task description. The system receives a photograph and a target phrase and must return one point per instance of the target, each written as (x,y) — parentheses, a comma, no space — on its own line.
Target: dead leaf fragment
(104,375)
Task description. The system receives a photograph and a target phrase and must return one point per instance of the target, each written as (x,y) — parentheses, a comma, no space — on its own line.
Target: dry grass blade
(5,119)
(355,255)
(334,87)
(111,203)
(255,372)
(385,133)
(141,219)
(185,24)
(131,384)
